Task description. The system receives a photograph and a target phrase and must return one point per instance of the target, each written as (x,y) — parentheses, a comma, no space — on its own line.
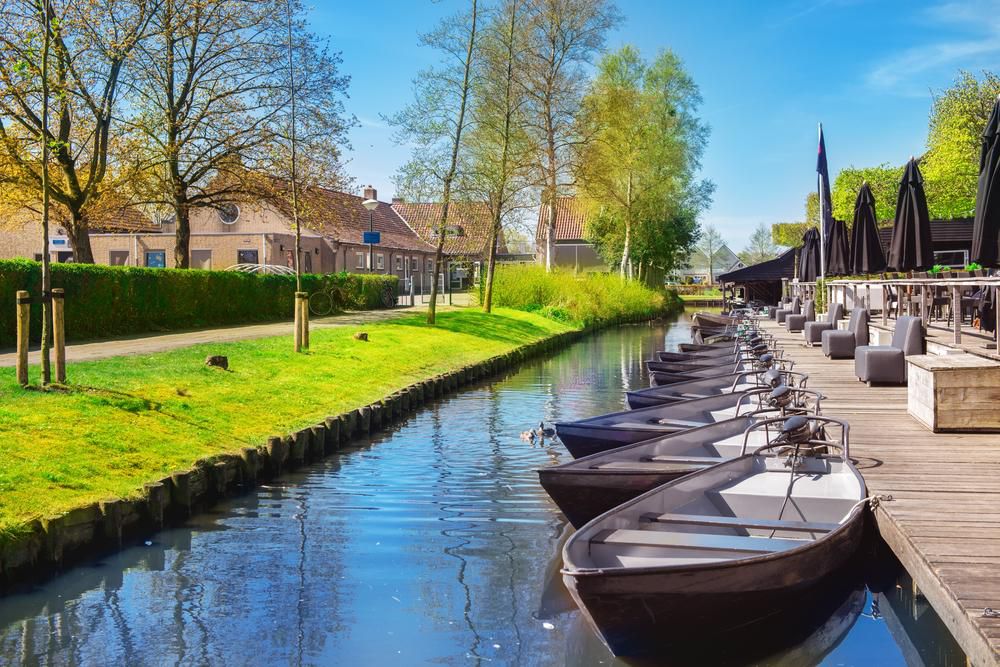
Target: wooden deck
(944,520)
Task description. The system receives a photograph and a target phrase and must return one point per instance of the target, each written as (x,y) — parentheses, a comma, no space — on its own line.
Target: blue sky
(768,72)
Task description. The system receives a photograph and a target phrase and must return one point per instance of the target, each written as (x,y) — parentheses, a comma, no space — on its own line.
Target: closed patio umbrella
(867,255)
(910,247)
(986,229)
(809,256)
(837,250)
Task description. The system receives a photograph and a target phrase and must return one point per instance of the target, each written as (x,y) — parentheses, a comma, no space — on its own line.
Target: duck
(528,436)
(544,432)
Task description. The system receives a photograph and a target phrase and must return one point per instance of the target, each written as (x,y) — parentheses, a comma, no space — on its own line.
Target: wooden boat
(710,320)
(592,485)
(729,383)
(604,432)
(721,547)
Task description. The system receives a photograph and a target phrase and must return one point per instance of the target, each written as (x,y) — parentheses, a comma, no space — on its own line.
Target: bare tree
(90,43)
(566,35)
(201,99)
(500,148)
(435,121)
(709,245)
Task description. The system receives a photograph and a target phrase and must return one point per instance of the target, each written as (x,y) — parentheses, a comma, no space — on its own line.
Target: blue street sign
(372,237)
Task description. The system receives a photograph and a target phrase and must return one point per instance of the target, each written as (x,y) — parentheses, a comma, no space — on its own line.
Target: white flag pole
(822,216)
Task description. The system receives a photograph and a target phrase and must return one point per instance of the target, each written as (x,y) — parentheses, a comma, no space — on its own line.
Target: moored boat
(722,547)
(597,434)
(729,383)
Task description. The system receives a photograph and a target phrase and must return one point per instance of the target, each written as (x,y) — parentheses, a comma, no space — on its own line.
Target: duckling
(543,432)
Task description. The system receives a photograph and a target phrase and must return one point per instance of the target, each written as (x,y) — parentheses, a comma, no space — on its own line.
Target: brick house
(572,250)
(467,234)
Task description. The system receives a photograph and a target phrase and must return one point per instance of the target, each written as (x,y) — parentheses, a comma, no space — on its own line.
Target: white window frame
(359,259)
(380,261)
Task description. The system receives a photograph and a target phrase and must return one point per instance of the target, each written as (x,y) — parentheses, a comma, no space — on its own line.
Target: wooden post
(23,315)
(923,304)
(868,296)
(59,331)
(298,321)
(305,320)
(956,314)
(885,304)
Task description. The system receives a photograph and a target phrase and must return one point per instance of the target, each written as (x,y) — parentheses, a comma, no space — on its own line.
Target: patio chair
(839,344)
(887,363)
(794,308)
(813,331)
(796,321)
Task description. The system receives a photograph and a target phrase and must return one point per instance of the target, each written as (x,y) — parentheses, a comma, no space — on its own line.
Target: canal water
(429,544)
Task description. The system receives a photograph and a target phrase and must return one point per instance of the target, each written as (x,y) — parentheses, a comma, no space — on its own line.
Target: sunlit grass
(125,421)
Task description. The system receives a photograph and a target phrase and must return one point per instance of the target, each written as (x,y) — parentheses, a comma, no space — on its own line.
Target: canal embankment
(138,443)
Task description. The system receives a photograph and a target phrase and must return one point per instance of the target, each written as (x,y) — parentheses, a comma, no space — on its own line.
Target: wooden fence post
(298,321)
(59,331)
(23,318)
(305,320)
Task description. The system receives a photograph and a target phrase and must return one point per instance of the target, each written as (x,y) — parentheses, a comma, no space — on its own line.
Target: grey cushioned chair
(814,330)
(839,344)
(795,322)
(887,363)
(794,308)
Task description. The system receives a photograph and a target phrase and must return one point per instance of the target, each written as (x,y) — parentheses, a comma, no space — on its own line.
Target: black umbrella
(838,255)
(986,230)
(910,247)
(867,255)
(809,256)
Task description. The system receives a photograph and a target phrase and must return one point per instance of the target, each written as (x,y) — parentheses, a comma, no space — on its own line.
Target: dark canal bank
(432,543)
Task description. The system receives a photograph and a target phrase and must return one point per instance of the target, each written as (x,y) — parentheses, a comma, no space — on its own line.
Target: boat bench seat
(652,466)
(684,459)
(657,538)
(741,522)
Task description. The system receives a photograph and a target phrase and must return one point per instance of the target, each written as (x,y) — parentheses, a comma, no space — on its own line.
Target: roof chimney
(398,200)
(370,192)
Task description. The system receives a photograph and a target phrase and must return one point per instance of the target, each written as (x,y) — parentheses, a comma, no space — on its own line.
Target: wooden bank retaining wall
(56,542)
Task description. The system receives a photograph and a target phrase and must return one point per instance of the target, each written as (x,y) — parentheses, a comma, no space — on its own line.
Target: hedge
(104,301)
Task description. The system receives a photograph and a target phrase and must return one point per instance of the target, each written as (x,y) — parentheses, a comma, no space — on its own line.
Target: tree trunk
(438,260)
(79,238)
(182,227)
(552,187)
(628,231)
(491,267)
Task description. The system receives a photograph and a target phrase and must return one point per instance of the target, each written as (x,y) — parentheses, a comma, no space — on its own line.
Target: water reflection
(433,543)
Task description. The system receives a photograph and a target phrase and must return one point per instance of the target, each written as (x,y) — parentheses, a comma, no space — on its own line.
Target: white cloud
(981,22)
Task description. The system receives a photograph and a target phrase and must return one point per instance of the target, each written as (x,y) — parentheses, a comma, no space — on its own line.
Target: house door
(201,259)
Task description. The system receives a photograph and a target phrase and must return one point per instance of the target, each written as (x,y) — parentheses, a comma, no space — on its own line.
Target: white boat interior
(733,511)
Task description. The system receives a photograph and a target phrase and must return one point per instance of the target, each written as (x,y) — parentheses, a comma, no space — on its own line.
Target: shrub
(568,297)
(104,301)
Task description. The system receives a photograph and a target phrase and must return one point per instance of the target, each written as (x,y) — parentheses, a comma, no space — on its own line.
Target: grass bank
(128,420)
(578,299)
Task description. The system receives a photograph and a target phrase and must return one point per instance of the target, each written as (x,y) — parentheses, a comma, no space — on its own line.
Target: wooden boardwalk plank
(944,520)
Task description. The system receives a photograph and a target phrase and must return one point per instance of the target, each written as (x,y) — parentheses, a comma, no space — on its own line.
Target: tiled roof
(340,216)
(121,219)
(470,222)
(571,218)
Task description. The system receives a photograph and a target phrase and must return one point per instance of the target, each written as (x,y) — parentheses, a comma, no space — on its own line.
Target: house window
(956,259)
(118,258)
(156,259)
(38,256)
(399,263)
(307,261)
(379,262)
(360,260)
(415,264)
(229,214)
(201,259)
(246,257)
(430,265)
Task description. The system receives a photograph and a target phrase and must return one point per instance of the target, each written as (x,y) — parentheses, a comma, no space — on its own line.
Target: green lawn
(709,294)
(129,420)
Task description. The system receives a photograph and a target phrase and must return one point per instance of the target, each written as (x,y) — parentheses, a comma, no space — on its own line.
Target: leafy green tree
(760,247)
(951,164)
(882,179)
(638,168)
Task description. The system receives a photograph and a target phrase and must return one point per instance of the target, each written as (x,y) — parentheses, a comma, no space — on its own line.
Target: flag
(823,186)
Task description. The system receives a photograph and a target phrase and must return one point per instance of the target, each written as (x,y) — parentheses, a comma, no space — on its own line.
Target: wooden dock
(944,520)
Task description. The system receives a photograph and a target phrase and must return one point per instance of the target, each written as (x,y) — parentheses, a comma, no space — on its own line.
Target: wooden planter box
(954,392)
